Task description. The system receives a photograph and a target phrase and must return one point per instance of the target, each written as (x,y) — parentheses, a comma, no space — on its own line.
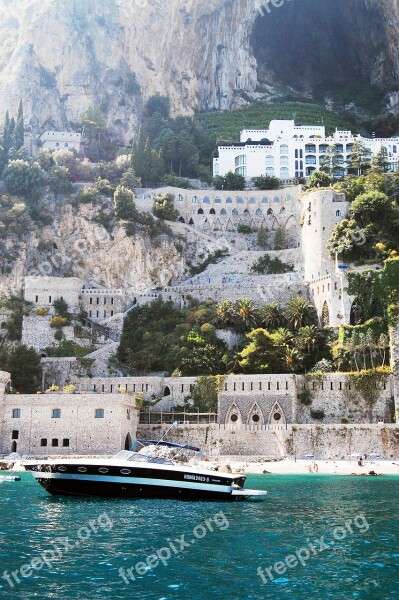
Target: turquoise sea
(321,537)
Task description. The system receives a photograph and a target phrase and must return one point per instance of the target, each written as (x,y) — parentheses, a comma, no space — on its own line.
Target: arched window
(246,213)
(234,212)
(258,212)
(223,211)
(212,211)
(166,391)
(217,200)
(195,199)
(265,200)
(206,200)
(338,213)
(270,211)
(276,199)
(180,198)
(288,198)
(240,200)
(229,200)
(200,211)
(252,200)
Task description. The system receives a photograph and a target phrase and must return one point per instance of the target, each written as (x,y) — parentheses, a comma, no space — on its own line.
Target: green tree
(164,207)
(224,313)
(379,162)
(125,208)
(148,163)
(280,238)
(272,316)
(245,312)
(23,178)
(58,180)
(19,132)
(230,181)
(360,159)
(129,179)
(332,161)
(319,179)
(299,312)
(262,238)
(260,354)
(266,182)
(23,364)
(158,104)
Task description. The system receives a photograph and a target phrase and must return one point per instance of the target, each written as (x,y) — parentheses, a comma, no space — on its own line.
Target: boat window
(82,469)
(103,470)
(62,469)
(125,471)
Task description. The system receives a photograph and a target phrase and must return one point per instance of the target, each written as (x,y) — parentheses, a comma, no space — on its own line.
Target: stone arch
(282,210)
(291,222)
(255,415)
(270,211)
(277,416)
(229,226)
(207,224)
(258,212)
(14,446)
(200,211)
(275,225)
(325,315)
(191,222)
(234,416)
(181,220)
(166,391)
(246,213)
(212,211)
(234,212)
(223,212)
(128,442)
(217,226)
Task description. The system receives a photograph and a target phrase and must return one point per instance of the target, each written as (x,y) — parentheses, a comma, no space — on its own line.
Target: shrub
(266,182)
(272,266)
(318,415)
(42,312)
(88,195)
(58,322)
(23,178)
(244,229)
(59,180)
(164,208)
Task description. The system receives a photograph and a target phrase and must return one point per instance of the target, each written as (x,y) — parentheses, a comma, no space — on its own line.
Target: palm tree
(299,312)
(246,312)
(382,345)
(224,312)
(308,338)
(293,359)
(272,316)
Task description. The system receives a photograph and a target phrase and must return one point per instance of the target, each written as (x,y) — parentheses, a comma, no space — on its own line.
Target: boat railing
(182,418)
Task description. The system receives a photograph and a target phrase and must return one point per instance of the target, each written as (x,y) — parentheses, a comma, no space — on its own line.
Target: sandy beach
(301,466)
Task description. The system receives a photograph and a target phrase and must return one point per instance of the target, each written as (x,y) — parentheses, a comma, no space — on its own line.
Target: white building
(61,140)
(288,151)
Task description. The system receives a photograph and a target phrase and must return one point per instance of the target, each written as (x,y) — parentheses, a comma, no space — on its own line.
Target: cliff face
(62,57)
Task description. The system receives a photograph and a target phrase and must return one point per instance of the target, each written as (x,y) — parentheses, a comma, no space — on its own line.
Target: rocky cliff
(62,57)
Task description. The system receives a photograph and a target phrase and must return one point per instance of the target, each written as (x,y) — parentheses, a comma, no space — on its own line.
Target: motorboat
(9,478)
(141,474)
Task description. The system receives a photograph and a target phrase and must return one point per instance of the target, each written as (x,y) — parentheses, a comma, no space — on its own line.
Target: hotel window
(43,442)
(195,199)
(65,442)
(16,413)
(91,300)
(37,298)
(15,434)
(284,161)
(99,414)
(270,161)
(284,173)
(56,413)
(270,171)
(283,149)
(54,443)
(241,160)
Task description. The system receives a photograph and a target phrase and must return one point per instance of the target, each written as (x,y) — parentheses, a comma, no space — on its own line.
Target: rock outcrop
(62,57)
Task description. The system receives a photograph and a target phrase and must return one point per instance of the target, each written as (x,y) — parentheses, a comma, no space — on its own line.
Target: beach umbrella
(375,456)
(309,456)
(357,455)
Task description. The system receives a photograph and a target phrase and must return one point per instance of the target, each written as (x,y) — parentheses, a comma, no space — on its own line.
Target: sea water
(315,537)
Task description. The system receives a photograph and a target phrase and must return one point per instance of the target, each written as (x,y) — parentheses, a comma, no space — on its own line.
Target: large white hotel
(289,151)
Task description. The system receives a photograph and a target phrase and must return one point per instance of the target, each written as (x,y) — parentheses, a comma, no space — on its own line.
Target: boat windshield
(144,458)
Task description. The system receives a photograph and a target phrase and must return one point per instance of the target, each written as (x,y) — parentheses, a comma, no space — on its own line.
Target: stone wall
(42,291)
(27,420)
(273,442)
